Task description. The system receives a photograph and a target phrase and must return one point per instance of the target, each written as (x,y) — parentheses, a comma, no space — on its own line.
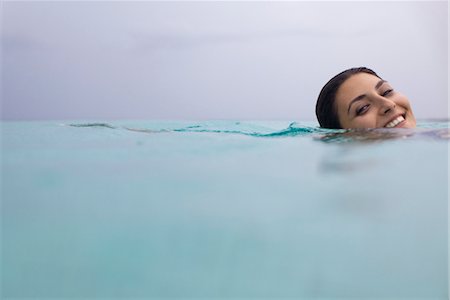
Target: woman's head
(359,98)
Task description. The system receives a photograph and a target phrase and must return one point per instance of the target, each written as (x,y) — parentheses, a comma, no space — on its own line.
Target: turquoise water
(223,209)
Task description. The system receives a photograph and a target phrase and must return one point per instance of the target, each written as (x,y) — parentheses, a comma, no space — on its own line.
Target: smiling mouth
(395,122)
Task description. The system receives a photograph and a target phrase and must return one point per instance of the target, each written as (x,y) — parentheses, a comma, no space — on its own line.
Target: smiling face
(366,101)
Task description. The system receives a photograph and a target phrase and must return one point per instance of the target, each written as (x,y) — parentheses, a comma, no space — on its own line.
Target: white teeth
(395,122)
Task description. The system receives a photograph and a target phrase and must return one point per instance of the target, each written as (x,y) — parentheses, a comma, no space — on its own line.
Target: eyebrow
(360,97)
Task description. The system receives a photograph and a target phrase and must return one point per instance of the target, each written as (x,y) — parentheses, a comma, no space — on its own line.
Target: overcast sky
(212,60)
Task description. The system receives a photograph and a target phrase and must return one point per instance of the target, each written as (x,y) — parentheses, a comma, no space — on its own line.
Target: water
(223,210)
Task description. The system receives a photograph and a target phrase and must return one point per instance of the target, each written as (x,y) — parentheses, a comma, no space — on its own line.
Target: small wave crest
(249,129)
(104,125)
(267,130)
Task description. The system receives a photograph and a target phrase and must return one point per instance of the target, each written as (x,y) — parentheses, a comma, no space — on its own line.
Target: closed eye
(387,92)
(360,111)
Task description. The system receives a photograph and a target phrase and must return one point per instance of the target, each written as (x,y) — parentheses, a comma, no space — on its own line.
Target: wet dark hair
(325,108)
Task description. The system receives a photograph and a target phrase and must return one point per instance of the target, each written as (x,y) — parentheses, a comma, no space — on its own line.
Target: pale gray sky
(212,60)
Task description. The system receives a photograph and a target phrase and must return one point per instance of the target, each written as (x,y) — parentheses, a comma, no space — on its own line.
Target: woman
(359,98)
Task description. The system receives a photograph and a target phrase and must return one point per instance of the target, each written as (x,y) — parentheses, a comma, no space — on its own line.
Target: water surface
(223,209)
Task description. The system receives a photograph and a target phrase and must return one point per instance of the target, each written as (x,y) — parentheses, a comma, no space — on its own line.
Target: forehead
(356,85)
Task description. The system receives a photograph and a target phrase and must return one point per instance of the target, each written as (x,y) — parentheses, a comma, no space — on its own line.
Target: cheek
(403,101)
(368,120)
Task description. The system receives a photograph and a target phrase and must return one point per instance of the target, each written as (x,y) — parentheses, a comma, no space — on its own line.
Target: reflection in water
(350,159)
(382,134)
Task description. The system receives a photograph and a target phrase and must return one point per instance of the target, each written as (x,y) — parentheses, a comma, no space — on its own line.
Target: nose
(386,105)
